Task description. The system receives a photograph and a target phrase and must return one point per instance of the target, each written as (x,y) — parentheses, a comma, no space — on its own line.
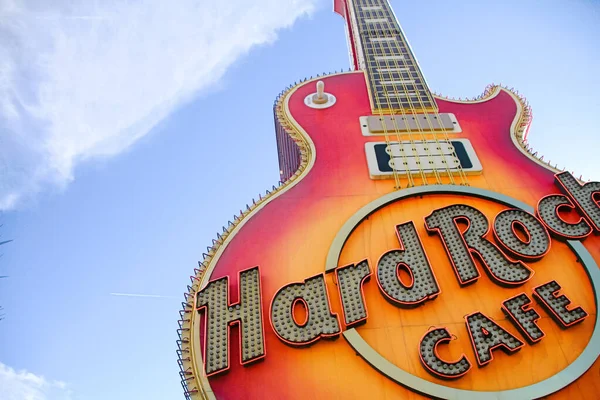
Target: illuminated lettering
(460,246)
(548,210)
(350,281)
(556,305)
(537,242)
(320,320)
(586,196)
(300,313)
(520,311)
(213,301)
(486,336)
(412,258)
(432,361)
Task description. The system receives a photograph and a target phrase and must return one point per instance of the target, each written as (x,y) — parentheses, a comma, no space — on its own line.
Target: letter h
(220,315)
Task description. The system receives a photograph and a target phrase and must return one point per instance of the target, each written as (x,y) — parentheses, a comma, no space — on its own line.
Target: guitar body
(289,233)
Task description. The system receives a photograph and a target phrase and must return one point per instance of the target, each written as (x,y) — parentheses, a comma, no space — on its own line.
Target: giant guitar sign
(414,249)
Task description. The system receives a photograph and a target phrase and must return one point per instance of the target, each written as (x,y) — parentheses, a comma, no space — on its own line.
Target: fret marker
(400,82)
(381,58)
(411,94)
(375,20)
(399,69)
(383,39)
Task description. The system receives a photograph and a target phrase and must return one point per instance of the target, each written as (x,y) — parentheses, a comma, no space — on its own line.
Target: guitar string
(393,165)
(393,120)
(389,24)
(400,109)
(410,102)
(421,82)
(434,134)
(458,166)
(446,138)
(395,172)
(426,147)
(391,109)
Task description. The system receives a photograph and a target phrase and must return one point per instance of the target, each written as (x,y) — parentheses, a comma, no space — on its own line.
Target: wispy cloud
(86,79)
(23,385)
(157,296)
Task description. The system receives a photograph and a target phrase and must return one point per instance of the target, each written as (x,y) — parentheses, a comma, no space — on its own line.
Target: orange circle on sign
(395,332)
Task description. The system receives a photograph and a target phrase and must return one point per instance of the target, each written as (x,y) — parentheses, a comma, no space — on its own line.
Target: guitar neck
(379,47)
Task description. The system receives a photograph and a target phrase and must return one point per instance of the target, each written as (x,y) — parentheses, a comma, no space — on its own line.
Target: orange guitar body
(288,235)
(412,239)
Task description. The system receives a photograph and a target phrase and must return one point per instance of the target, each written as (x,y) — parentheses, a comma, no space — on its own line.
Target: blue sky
(130,133)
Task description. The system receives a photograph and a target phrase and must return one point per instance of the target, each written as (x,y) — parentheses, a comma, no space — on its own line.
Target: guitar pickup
(375,125)
(428,156)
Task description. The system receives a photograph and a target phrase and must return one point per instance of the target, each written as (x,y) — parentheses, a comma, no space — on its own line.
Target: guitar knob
(320,99)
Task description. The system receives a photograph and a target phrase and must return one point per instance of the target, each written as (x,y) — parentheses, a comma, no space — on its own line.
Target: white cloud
(23,385)
(84,79)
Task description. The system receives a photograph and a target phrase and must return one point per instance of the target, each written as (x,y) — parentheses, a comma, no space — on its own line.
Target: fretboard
(394,78)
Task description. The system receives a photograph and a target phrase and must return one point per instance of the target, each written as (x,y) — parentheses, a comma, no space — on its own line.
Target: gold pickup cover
(410,123)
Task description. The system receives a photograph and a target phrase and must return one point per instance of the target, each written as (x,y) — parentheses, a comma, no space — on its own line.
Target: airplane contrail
(70,17)
(143,295)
